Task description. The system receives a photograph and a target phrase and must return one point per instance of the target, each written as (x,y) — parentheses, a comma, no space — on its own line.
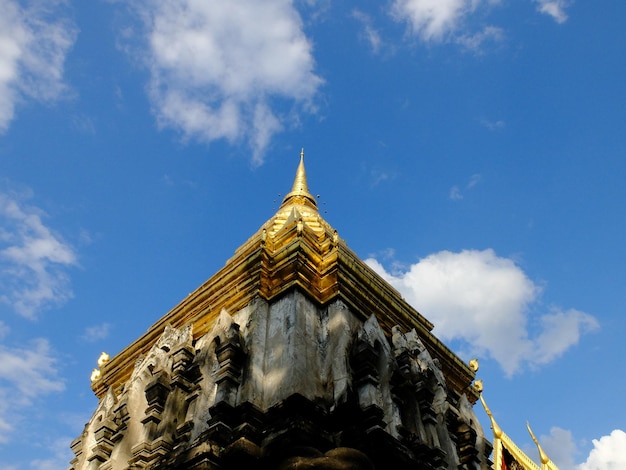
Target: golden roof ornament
(97,373)
(506,454)
(546,463)
(103,359)
(497,432)
(300,189)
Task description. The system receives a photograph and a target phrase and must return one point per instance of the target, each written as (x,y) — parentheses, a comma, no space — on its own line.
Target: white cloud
(554,8)
(560,330)
(431,20)
(607,453)
(485,301)
(436,21)
(33,260)
(25,374)
(439,20)
(34,41)
(219,70)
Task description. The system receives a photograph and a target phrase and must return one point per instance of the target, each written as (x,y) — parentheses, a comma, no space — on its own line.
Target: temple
(295,354)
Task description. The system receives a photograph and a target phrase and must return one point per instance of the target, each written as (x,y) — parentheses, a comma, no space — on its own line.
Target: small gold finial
(95,375)
(473,365)
(302,153)
(103,359)
(478,385)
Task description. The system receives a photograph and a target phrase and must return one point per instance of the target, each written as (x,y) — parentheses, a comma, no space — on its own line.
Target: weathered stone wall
(281,385)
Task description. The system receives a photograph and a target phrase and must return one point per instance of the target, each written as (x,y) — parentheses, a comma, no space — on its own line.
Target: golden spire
(546,463)
(497,431)
(300,190)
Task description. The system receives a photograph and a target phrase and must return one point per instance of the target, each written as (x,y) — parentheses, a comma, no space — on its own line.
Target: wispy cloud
(493,125)
(378,176)
(476,41)
(474,180)
(96,332)
(60,455)
(26,373)
(222,70)
(33,259)
(370,34)
(455,191)
(35,38)
(554,8)
(485,301)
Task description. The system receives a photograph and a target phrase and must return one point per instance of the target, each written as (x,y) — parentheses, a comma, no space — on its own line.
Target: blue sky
(472,151)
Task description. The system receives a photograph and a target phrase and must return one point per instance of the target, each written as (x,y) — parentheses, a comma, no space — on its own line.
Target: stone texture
(287,384)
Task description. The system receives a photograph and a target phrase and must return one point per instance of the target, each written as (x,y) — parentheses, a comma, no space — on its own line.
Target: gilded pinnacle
(300,189)
(542,455)
(497,432)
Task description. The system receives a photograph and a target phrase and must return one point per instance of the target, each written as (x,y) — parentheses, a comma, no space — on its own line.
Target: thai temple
(294,355)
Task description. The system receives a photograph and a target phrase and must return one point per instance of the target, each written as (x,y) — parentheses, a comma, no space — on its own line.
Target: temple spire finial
(497,432)
(545,460)
(300,189)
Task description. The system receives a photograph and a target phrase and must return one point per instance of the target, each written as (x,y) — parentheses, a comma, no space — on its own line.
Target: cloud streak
(485,301)
(455,191)
(225,70)
(35,38)
(96,333)
(439,21)
(33,260)
(435,21)
(368,33)
(553,8)
(26,373)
